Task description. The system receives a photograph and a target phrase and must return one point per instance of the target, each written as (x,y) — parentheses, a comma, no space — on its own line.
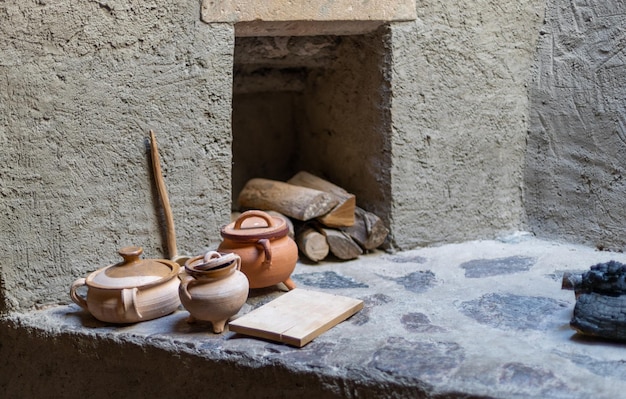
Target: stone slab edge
(74,354)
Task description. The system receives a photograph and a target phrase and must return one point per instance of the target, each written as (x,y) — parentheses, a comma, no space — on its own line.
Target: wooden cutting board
(296,317)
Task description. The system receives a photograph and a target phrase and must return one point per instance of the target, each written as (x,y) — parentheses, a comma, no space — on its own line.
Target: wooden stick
(165,201)
(297,202)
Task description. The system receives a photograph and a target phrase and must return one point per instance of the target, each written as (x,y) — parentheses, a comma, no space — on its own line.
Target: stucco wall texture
(460,112)
(575,173)
(82,83)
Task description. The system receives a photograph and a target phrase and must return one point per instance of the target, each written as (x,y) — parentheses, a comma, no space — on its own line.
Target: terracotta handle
(128,303)
(254,213)
(184,286)
(211,255)
(79,300)
(265,243)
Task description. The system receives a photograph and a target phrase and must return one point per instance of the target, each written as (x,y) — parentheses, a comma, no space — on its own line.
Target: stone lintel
(307,17)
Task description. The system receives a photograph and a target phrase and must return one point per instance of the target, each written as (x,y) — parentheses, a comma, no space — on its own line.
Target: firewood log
(368,230)
(300,203)
(342,214)
(341,245)
(312,244)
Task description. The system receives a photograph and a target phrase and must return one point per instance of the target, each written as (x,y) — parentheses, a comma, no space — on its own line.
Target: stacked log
(326,216)
(297,202)
(342,214)
(312,243)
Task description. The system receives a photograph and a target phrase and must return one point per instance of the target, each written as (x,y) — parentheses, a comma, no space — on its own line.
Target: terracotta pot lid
(133,272)
(212,260)
(255,225)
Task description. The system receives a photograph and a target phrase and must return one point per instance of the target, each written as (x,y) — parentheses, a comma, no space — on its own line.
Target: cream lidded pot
(130,291)
(213,289)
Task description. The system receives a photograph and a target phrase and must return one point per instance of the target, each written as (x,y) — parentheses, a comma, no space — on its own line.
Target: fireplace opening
(315,103)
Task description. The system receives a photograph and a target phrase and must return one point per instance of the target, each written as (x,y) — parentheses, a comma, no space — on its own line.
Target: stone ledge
(73,361)
(478,319)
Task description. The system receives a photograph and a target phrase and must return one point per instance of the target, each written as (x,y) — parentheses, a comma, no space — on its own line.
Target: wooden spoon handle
(165,201)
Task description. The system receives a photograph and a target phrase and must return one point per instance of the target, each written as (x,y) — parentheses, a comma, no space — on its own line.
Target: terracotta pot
(213,289)
(268,254)
(130,291)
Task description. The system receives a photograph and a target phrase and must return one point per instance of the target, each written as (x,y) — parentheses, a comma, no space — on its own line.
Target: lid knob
(130,254)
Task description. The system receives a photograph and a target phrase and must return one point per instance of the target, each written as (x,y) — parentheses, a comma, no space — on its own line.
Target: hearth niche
(318,103)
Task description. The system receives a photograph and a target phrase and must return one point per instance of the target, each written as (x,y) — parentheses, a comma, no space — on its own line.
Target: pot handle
(211,255)
(254,213)
(184,286)
(79,300)
(265,243)
(212,260)
(129,302)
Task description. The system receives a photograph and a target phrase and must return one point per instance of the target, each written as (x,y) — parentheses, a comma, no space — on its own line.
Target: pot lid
(211,261)
(255,225)
(133,272)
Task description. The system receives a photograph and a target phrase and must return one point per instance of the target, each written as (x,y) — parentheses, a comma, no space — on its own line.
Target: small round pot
(130,291)
(268,255)
(213,289)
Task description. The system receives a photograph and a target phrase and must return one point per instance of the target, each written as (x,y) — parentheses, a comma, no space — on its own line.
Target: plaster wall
(459,113)
(264,142)
(84,82)
(81,85)
(347,121)
(575,171)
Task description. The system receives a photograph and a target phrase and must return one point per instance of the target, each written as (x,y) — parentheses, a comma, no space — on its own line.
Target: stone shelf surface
(475,319)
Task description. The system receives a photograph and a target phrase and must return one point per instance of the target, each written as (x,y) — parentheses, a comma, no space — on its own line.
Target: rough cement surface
(478,319)
(352,136)
(575,168)
(81,85)
(459,112)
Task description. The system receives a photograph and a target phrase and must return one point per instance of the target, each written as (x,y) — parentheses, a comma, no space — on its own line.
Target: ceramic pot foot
(191,319)
(218,326)
(289,284)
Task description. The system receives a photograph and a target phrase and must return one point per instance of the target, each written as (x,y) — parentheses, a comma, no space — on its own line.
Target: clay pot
(213,289)
(268,254)
(130,291)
